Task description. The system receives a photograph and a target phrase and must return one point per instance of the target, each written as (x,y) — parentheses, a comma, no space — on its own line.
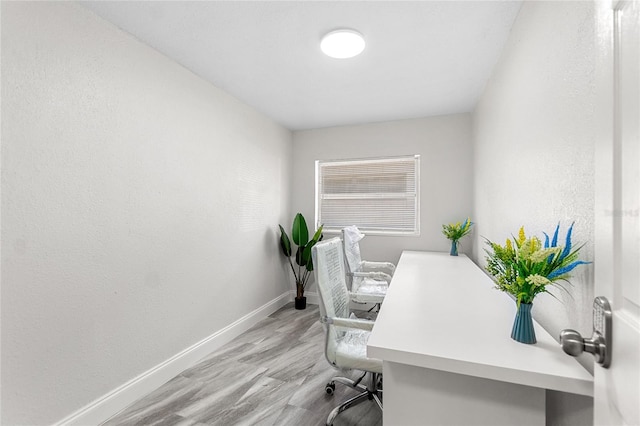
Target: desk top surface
(443,312)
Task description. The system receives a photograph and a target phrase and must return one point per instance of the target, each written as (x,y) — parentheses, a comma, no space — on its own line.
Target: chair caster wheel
(330,388)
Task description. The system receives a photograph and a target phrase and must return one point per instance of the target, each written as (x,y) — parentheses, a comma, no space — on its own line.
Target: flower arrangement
(455,232)
(526,267)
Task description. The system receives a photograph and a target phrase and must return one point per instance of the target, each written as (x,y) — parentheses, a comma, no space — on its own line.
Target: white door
(617,215)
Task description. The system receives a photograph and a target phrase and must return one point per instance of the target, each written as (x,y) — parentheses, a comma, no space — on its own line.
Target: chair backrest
(351,237)
(328,262)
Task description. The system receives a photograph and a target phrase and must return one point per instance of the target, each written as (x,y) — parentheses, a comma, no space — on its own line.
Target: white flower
(543,254)
(537,280)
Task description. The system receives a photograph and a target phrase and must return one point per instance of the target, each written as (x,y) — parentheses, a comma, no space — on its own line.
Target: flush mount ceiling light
(342,44)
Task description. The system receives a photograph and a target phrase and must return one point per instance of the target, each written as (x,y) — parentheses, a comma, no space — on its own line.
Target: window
(378,195)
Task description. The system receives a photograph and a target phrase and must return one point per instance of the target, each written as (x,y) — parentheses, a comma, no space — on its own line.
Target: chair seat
(370,286)
(351,352)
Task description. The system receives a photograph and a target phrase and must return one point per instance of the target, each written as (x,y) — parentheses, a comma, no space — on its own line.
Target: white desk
(443,334)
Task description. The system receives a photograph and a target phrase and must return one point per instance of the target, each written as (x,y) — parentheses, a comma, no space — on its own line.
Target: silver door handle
(574,344)
(600,342)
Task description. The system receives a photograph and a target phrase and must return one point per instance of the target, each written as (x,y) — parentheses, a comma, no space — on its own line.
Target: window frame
(415,231)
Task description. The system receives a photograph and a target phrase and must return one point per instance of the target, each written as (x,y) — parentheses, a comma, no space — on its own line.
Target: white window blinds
(379,195)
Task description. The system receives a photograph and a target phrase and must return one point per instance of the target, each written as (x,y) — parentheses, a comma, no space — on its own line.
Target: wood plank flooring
(273,374)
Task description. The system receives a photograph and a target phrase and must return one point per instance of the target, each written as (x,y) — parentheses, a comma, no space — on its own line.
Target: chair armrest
(366,298)
(349,323)
(378,265)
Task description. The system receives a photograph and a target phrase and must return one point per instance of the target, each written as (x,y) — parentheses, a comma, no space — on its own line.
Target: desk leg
(422,396)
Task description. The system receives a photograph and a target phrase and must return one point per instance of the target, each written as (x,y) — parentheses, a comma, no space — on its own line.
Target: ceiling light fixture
(342,44)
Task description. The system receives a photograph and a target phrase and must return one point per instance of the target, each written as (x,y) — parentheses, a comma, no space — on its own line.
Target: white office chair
(345,336)
(367,281)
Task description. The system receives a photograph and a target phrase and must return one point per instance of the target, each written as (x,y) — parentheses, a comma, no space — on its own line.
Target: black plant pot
(300,303)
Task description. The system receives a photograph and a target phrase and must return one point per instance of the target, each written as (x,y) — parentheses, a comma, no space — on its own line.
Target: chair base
(370,392)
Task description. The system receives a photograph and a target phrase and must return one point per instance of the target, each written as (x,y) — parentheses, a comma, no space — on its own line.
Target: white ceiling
(423,58)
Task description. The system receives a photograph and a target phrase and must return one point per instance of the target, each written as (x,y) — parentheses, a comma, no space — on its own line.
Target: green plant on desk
(454,232)
(525,268)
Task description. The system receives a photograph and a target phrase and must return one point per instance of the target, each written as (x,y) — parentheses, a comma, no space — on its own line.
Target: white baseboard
(106,406)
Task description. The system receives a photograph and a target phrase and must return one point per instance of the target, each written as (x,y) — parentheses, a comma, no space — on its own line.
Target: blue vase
(454,248)
(522,330)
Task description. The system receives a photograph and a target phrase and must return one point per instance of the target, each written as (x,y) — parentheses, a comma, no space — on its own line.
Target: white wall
(139,208)
(444,144)
(534,147)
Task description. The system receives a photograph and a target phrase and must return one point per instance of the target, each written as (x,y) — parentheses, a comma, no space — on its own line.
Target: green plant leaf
(318,235)
(310,264)
(300,232)
(300,259)
(306,256)
(285,244)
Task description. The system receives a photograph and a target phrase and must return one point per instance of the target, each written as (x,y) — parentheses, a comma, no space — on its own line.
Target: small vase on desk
(522,330)
(454,248)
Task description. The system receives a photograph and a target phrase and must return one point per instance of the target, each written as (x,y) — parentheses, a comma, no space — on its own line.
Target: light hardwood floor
(273,374)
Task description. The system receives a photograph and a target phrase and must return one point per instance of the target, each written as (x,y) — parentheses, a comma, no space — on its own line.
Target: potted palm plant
(304,262)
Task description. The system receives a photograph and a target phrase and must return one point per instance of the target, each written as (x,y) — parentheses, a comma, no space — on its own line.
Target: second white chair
(368,281)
